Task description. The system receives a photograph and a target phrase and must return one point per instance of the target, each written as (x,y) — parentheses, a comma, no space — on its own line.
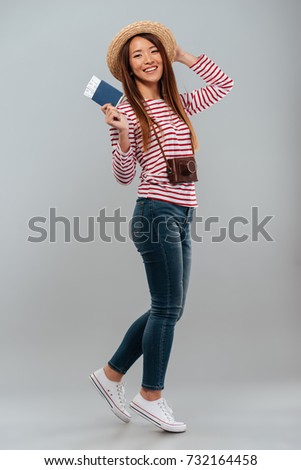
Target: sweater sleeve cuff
(123,155)
(195,65)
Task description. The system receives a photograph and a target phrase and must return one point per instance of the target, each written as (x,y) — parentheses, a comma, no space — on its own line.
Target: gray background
(234,374)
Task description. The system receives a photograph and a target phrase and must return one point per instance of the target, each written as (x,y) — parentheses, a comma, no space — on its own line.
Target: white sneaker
(157,412)
(112,392)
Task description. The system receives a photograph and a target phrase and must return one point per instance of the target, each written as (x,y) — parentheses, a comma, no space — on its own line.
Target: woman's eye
(155,50)
(137,55)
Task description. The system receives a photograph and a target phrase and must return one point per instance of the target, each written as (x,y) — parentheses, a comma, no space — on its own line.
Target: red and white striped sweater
(175,140)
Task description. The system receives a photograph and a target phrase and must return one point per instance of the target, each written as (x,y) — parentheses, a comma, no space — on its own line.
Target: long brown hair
(167,87)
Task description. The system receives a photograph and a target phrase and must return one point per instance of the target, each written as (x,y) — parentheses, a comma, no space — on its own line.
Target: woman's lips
(150,69)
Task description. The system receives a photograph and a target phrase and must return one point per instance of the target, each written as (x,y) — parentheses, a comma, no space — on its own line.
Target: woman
(151,127)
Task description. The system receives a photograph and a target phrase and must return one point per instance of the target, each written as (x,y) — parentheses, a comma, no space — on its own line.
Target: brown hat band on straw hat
(139,27)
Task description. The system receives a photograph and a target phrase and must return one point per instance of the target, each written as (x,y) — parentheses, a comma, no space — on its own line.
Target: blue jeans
(161,233)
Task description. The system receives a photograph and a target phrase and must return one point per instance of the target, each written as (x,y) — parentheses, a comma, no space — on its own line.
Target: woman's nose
(148,58)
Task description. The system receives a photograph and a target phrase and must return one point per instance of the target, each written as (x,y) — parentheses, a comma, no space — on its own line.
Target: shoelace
(167,410)
(121,392)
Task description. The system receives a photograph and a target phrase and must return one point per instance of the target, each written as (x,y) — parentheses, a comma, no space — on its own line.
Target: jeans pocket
(140,226)
(190,215)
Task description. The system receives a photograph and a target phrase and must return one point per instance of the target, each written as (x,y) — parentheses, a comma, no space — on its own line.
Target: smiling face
(145,61)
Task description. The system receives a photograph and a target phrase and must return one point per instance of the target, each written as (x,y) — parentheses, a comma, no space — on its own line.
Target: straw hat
(158,29)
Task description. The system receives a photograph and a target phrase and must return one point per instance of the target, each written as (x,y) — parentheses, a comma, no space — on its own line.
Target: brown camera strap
(160,145)
(169,167)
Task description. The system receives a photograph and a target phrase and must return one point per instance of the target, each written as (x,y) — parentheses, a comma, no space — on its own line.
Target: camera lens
(191,166)
(188,168)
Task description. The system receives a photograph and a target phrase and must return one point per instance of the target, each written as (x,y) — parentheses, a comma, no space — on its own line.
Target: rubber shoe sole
(114,408)
(157,422)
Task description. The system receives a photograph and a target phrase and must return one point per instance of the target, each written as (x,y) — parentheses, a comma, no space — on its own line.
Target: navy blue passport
(102,92)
